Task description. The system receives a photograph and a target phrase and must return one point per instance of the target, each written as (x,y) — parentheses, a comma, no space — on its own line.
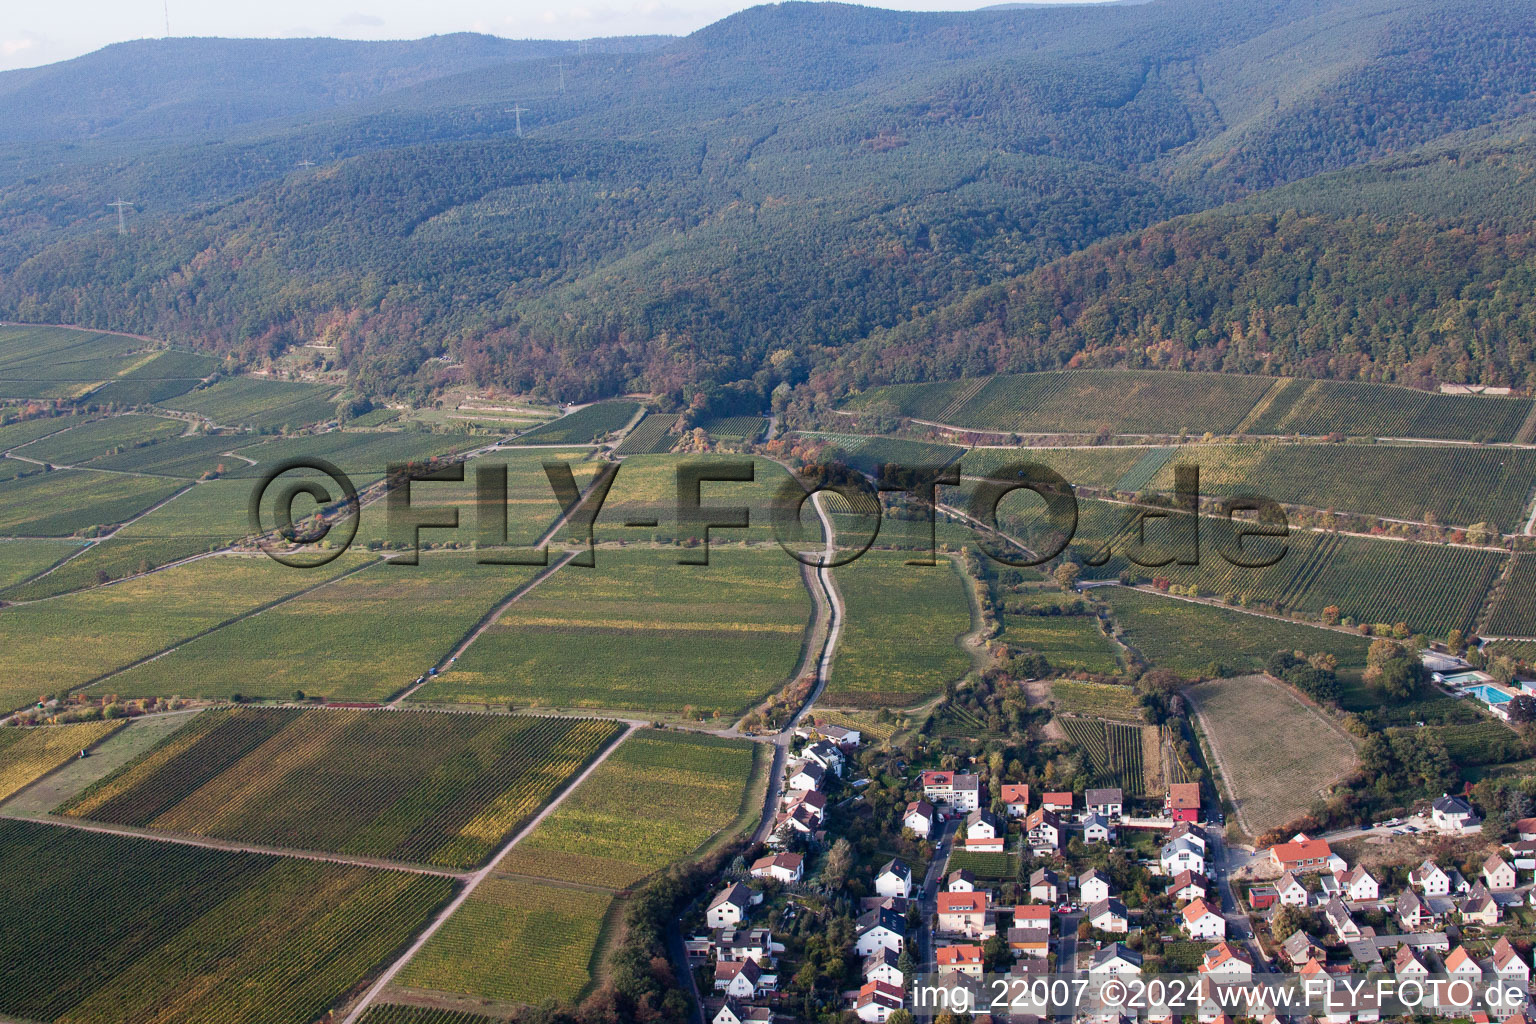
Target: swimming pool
(1489,694)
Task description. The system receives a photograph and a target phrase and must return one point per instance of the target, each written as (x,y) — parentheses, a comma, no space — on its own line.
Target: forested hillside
(814,193)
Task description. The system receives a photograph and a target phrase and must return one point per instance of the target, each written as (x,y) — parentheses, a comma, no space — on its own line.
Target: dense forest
(811,197)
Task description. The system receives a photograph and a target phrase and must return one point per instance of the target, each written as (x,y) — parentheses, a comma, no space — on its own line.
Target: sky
(34,32)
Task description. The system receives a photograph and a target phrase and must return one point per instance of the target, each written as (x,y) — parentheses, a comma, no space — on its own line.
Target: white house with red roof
(1358,885)
(1058,803)
(1291,892)
(1016,799)
(781,867)
(965,958)
(1498,875)
(876,1001)
(1460,964)
(1508,963)
(1200,921)
(1226,962)
(739,979)
(1430,879)
(965,914)
(1042,830)
(1305,855)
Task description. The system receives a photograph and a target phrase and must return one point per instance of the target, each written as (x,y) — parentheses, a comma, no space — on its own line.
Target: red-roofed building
(1183,801)
(1058,803)
(877,1001)
(1302,855)
(1016,799)
(965,959)
(965,913)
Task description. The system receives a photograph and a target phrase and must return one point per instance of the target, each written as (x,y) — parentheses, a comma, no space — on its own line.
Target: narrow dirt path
(472,882)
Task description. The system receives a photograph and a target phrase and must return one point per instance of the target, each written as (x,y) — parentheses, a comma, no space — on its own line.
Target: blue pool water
(1489,694)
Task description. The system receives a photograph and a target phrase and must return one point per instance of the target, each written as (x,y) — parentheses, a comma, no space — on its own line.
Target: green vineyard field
(1113,748)
(659,797)
(1515,613)
(160,933)
(583,426)
(439,788)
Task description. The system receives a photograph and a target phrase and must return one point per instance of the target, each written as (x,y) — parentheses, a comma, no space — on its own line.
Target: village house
(965,914)
(731,905)
(1526,829)
(983,832)
(877,1000)
(1181,854)
(1094,885)
(1358,885)
(1341,921)
(798,819)
(808,775)
(1303,855)
(1096,828)
(1031,932)
(781,867)
(1460,965)
(966,959)
(1226,962)
(1059,804)
(1114,960)
(919,818)
(881,966)
(1201,921)
(733,1011)
(880,929)
(1108,803)
(1413,912)
(1291,892)
(1429,879)
(953,791)
(826,755)
(1188,830)
(960,880)
(742,979)
(1044,885)
(1408,964)
(1183,801)
(1498,875)
(1299,948)
(1454,815)
(1015,799)
(1507,962)
(1042,830)
(1188,885)
(894,879)
(1108,915)
(1479,907)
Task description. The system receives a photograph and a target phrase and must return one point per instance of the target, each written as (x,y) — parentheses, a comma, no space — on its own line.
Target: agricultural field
(1079,402)
(26,755)
(364,637)
(1272,774)
(98,438)
(584,425)
(1458,485)
(1321,570)
(19,432)
(516,941)
(986,865)
(412,786)
(531,505)
(1081,467)
(105,561)
(1114,749)
(1067,641)
(646,489)
(1359,409)
(734,428)
(660,797)
(71,501)
(22,559)
(399,1013)
(651,436)
(868,454)
(641,632)
(1515,612)
(161,933)
(901,640)
(258,403)
(189,458)
(1100,700)
(168,374)
(1188,637)
(61,362)
(362,453)
(49,647)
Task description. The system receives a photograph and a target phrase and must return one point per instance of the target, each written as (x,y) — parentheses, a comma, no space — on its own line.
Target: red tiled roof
(962,902)
(1183,796)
